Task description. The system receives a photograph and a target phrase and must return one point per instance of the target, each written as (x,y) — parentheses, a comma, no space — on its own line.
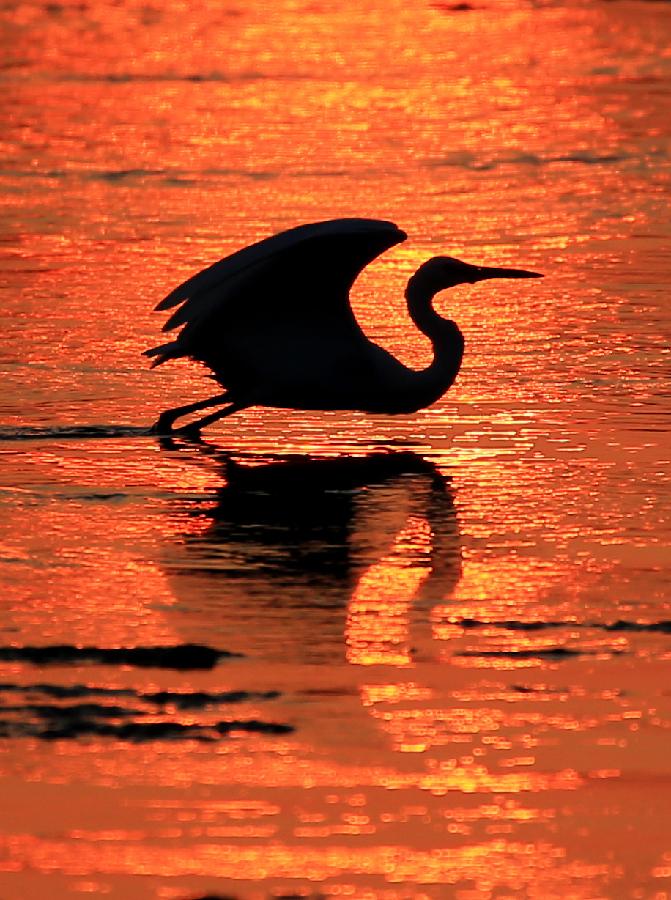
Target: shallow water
(328,654)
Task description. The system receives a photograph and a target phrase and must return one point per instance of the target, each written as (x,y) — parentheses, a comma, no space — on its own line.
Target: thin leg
(165,421)
(193,428)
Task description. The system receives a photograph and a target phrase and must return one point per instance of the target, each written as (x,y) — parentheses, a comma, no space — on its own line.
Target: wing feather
(275,246)
(292,284)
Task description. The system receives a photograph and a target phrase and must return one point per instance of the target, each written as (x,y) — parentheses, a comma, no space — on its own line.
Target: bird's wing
(295,283)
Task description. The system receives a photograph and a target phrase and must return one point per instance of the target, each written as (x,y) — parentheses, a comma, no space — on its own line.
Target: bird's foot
(189,432)
(163,425)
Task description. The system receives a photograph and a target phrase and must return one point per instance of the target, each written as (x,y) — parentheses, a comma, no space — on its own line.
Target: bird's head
(443,272)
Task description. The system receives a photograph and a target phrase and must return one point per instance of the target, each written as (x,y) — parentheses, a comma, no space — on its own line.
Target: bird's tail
(163,353)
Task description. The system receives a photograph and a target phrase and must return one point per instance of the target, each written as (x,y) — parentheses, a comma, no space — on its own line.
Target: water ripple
(72,432)
(178,656)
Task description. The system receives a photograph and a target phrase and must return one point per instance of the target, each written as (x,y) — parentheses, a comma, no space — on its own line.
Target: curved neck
(444,334)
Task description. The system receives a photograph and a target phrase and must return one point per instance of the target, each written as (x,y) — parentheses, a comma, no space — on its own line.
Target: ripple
(175,177)
(471,162)
(181,699)
(550,653)
(73,432)
(179,656)
(40,715)
(664,626)
(71,727)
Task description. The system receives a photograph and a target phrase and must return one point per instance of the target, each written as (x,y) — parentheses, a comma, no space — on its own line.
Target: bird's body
(274,324)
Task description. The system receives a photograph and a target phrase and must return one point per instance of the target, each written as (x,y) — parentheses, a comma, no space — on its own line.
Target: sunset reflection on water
(444,637)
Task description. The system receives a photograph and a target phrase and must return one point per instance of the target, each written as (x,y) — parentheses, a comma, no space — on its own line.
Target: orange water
(454,669)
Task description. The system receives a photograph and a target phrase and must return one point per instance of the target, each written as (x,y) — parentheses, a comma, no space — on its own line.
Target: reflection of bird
(294,517)
(275,325)
(290,540)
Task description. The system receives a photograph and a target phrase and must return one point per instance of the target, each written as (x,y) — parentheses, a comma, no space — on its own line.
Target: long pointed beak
(483,272)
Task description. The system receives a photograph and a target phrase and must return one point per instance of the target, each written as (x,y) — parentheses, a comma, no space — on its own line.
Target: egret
(274,324)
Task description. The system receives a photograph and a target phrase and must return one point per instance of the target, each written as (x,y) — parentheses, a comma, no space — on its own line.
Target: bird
(274,324)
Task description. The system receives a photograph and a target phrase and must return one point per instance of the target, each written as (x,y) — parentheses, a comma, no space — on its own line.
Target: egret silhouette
(274,324)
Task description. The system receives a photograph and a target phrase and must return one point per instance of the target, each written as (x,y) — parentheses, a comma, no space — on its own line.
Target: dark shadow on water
(70,712)
(313,521)
(72,432)
(180,657)
(278,555)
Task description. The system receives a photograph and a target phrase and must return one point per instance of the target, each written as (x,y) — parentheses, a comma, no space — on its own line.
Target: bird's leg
(193,428)
(165,421)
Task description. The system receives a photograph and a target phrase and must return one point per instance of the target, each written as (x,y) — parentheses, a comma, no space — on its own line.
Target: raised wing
(295,284)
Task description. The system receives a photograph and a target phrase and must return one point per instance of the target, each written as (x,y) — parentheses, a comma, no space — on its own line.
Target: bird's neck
(445,337)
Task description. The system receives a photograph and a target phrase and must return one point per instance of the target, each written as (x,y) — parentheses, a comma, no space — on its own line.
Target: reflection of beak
(482,272)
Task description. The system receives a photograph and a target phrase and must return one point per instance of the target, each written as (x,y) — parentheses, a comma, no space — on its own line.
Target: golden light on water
(444,660)
(377,625)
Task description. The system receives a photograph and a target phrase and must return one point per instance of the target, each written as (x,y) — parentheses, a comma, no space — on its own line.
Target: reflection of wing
(290,287)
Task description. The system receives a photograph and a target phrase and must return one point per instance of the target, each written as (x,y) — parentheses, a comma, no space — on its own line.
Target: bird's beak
(482,272)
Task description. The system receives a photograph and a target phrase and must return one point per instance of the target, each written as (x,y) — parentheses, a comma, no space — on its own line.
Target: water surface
(327,654)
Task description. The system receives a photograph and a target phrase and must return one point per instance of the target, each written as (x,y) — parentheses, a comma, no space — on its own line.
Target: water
(443,640)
